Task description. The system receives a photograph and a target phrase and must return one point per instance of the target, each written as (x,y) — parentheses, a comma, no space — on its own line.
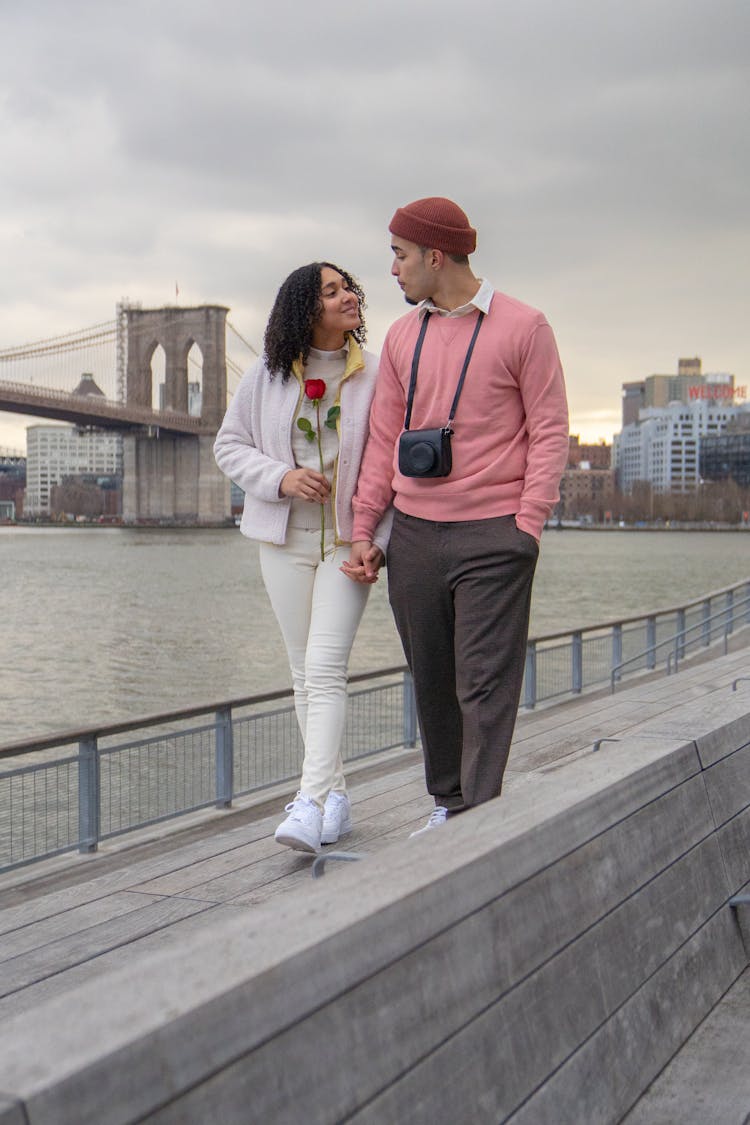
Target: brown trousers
(461,594)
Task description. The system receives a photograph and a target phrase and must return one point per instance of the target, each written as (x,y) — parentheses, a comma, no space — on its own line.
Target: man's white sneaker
(302,828)
(337,818)
(437,819)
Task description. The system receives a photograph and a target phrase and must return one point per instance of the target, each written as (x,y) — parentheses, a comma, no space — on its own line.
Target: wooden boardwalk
(72,919)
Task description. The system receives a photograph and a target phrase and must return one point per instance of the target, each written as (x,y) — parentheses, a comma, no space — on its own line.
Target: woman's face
(340,312)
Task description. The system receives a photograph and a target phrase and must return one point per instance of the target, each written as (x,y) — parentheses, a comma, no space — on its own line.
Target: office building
(726,456)
(688,385)
(55,452)
(664,447)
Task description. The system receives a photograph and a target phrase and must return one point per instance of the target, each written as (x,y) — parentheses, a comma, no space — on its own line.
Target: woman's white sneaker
(437,819)
(303,827)
(337,818)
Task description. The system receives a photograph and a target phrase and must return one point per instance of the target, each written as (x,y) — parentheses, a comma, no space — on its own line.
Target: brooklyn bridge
(160,376)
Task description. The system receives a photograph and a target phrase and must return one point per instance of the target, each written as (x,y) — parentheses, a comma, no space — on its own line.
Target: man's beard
(410,300)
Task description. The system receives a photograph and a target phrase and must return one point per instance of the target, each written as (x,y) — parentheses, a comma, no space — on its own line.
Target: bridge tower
(173,478)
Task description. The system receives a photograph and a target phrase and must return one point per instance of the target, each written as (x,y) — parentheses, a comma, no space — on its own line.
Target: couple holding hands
(444,457)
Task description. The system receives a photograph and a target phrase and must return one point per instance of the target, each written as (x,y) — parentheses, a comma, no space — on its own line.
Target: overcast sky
(601,150)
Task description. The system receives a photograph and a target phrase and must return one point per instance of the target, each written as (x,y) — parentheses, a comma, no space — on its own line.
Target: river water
(103,624)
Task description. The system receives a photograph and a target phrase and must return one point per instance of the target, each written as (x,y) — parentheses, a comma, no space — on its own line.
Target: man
(464,545)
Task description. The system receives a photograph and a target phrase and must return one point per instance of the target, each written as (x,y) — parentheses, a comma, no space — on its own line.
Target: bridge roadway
(133,945)
(93,410)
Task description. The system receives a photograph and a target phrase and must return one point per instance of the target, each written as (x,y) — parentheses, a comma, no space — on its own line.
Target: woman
(293,439)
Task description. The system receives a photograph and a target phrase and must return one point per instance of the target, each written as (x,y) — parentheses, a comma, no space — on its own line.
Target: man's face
(411,270)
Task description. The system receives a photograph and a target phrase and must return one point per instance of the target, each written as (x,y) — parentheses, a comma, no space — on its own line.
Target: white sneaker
(337,818)
(437,819)
(302,828)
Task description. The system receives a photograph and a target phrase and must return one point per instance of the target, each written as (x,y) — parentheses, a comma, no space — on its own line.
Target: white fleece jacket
(254,445)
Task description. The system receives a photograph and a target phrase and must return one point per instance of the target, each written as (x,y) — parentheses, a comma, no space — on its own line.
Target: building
(726,456)
(595,456)
(664,447)
(12,484)
(665,420)
(688,385)
(633,401)
(586,492)
(57,452)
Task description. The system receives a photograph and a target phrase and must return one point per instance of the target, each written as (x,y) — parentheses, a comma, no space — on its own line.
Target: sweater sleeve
(374,493)
(543,392)
(236,450)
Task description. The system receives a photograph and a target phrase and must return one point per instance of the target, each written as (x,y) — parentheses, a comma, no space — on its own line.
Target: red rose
(315,389)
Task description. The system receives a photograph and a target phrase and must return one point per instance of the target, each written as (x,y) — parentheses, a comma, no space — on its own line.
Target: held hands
(305,484)
(365,560)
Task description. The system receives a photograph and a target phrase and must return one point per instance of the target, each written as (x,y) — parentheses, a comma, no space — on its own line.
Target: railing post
(651,642)
(747,603)
(730,611)
(617,647)
(529,699)
(409,711)
(706,618)
(576,656)
(680,638)
(89,795)
(224,758)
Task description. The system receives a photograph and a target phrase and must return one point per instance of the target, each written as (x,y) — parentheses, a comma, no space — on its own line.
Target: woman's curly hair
(297,306)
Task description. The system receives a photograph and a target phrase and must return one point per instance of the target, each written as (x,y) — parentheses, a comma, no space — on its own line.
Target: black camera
(425,453)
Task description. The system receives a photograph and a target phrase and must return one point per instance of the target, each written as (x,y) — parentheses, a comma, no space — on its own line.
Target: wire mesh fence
(109,786)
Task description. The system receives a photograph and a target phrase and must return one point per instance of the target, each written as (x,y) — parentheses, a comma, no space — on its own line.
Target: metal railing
(74,789)
(710,628)
(82,787)
(564,664)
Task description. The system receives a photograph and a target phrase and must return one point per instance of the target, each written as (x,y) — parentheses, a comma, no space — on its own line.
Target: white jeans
(319,610)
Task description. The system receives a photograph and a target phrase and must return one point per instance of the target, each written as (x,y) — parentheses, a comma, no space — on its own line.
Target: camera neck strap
(415,368)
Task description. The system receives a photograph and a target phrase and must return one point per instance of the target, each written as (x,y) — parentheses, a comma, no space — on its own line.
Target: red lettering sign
(716,391)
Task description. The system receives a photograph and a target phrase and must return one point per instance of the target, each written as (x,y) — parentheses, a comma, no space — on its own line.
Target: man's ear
(435,259)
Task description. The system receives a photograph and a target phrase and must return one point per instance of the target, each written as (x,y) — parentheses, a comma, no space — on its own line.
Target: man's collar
(481,300)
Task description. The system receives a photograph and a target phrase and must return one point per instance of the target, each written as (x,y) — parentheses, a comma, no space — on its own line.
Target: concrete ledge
(540,961)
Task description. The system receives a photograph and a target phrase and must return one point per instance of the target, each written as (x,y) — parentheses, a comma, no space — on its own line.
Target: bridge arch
(178,331)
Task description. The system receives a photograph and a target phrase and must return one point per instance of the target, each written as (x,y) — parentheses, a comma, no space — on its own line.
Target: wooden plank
(728,785)
(73,921)
(734,838)
(237,885)
(433,996)
(634,1046)
(400,900)
(709,1079)
(199,877)
(36,964)
(600,1079)
(47,901)
(172,939)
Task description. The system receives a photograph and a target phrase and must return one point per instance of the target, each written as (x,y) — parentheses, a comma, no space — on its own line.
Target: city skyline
(197,155)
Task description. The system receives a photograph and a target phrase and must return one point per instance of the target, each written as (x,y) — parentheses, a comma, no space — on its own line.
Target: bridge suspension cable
(75,340)
(242,338)
(56,362)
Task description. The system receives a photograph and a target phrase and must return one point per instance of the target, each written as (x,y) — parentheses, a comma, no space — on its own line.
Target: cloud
(600,149)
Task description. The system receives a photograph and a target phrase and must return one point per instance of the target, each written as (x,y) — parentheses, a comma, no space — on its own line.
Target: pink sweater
(510,442)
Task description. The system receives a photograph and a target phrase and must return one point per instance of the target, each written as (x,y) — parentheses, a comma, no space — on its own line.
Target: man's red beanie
(437,223)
